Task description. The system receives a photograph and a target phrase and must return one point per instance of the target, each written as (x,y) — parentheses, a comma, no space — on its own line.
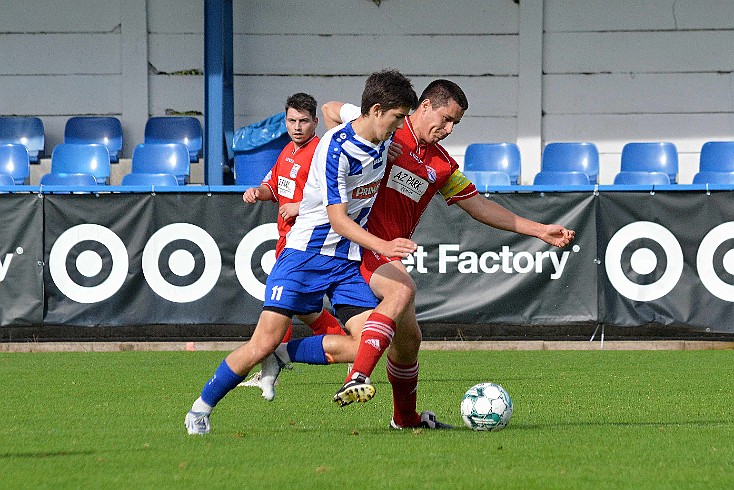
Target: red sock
(288,334)
(326,324)
(404,381)
(377,334)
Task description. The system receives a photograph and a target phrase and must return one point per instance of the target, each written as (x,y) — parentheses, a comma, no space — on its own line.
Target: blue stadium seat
(651,157)
(626,177)
(561,177)
(27,131)
(571,157)
(103,130)
(68,179)
(94,159)
(714,178)
(251,166)
(162,158)
(6,179)
(717,156)
(482,179)
(176,129)
(14,161)
(149,179)
(496,157)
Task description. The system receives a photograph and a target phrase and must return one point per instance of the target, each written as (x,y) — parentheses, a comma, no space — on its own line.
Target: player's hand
(251,195)
(400,247)
(557,236)
(394,151)
(289,211)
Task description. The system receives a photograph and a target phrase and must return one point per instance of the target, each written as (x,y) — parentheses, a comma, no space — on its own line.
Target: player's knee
(404,294)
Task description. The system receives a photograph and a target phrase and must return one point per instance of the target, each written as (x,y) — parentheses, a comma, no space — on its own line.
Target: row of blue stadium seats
(104,130)
(89,164)
(492,164)
(642,163)
(486,164)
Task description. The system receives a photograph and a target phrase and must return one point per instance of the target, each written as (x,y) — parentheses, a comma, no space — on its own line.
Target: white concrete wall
(536,71)
(639,70)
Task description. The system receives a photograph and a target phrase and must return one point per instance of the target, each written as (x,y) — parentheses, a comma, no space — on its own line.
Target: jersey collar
(295,149)
(419,148)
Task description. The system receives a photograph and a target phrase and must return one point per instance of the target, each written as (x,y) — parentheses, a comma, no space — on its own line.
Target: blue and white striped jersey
(345,169)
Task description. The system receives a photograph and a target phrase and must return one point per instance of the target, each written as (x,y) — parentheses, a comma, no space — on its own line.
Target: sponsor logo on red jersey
(366,191)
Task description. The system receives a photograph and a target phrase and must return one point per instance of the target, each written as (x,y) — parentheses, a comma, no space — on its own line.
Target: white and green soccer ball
(486,406)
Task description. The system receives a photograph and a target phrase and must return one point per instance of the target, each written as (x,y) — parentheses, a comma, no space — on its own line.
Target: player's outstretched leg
(234,368)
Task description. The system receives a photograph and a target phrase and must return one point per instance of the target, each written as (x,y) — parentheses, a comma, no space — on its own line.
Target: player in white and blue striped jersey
(322,254)
(347,169)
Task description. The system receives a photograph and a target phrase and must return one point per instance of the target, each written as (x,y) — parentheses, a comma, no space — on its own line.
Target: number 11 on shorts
(276,293)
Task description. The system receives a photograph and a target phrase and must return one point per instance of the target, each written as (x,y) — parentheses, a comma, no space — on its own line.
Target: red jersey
(286,180)
(410,183)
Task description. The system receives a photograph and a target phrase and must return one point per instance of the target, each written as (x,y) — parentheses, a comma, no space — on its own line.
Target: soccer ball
(486,406)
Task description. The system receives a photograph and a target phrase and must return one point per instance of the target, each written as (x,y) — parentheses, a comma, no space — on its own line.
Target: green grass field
(599,419)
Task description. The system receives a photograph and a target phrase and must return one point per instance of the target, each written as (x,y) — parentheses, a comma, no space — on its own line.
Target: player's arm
(349,229)
(330,110)
(261,193)
(497,216)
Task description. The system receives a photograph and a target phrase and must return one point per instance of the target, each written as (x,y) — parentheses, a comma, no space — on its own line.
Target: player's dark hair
(303,103)
(440,92)
(389,88)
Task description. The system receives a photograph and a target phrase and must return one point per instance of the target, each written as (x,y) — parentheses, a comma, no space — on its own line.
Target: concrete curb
(524,345)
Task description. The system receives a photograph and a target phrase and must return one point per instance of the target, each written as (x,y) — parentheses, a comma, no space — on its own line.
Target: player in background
(422,169)
(284,185)
(322,255)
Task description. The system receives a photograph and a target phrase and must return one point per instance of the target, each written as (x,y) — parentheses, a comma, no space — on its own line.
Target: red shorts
(371,261)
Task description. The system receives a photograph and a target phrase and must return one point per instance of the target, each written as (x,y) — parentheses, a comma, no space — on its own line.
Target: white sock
(201,406)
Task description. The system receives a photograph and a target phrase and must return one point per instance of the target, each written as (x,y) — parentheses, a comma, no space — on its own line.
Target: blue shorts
(300,280)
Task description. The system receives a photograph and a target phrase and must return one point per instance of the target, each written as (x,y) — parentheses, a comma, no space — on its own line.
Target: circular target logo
(246,252)
(180,243)
(88,263)
(648,248)
(715,261)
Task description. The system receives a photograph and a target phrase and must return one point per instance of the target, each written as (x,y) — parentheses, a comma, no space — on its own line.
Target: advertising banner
(138,259)
(468,272)
(202,258)
(21,259)
(667,259)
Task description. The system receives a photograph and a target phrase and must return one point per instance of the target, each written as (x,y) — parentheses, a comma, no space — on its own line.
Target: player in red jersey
(422,169)
(284,185)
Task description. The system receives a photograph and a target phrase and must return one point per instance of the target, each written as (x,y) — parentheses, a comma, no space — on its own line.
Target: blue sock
(309,350)
(223,381)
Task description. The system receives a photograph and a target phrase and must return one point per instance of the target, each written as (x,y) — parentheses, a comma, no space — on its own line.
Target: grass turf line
(603,419)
